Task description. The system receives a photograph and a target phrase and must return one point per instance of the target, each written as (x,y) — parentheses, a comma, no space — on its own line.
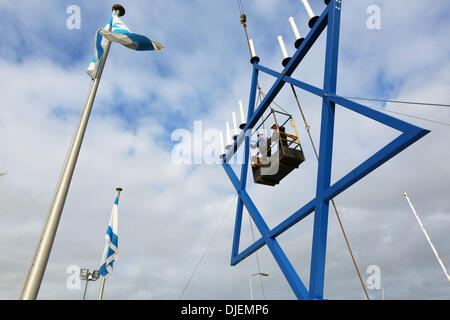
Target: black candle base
(313,21)
(286,61)
(254,59)
(298,42)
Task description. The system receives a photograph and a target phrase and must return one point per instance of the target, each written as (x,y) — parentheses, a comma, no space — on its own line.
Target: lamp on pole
(88,276)
(250,281)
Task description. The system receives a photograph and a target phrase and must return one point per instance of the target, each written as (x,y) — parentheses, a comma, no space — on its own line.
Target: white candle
(252,48)
(308,8)
(235,123)
(221,143)
(241,109)
(228,134)
(294,28)
(283,48)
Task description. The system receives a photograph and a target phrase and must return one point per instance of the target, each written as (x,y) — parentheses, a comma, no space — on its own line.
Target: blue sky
(168,213)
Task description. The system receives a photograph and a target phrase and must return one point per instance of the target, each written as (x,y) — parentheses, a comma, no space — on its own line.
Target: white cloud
(169,213)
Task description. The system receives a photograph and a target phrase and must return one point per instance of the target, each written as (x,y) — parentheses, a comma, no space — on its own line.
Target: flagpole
(426,236)
(102,287)
(102,280)
(41,255)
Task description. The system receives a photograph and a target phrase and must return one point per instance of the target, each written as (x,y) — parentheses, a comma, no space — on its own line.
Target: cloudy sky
(169,212)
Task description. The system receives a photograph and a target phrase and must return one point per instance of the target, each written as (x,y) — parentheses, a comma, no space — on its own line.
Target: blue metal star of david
(330,18)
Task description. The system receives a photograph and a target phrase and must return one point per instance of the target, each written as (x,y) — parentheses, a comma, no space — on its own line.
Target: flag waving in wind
(117,31)
(99,48)
(110,254)
(121,34)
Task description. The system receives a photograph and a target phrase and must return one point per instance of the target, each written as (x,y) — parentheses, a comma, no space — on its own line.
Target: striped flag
(117,31)
(110,254)
(120,33)
(99,48)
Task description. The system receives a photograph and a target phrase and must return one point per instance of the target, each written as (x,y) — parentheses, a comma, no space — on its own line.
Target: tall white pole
(235,127)
(102,288)
(102,280)
(282,46)
(241,111)
(294,28)
(222,144)
(41,255)
(252,48)
(264,274)
(85,289)
(227,125)
(426,236)
(308,8)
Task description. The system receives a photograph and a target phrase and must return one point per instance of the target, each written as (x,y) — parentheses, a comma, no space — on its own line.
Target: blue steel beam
(301,52)
(244,199)
(302,85)
(244,169)
(280,257)
(232,176)
(324,192)
(286,267)
(291,66)
(383,155)
(410,134)
(318,254)
(373,114)
(247,252)
(275,232)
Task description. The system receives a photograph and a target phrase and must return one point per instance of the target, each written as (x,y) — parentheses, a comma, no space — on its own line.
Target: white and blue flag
(117,31)
(111,254)
(99,48)
(120,33)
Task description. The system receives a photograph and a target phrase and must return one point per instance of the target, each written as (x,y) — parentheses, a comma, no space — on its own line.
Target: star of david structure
(329,20)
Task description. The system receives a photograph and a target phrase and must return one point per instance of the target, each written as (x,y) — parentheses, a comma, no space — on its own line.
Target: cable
(207,248)
(249,218)
(257,259)
(396,112)
(307,127)
(393,101)
(240,7)
(409,115)
(244,24)
(274,102)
